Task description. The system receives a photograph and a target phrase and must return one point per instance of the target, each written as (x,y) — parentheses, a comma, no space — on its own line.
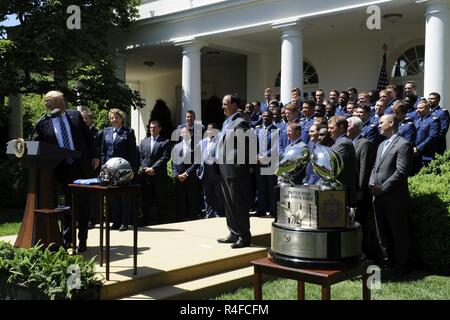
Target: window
(309,75)
(410,63)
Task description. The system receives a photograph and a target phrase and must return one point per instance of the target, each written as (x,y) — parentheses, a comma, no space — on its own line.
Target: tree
(161,113)
(50,55)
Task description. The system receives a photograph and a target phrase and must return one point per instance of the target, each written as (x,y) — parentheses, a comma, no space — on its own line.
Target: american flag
(382,79)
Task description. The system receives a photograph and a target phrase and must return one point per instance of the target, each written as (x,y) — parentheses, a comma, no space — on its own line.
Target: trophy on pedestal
(314,226)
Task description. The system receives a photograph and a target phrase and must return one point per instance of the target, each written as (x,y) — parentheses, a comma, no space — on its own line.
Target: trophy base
(317,248)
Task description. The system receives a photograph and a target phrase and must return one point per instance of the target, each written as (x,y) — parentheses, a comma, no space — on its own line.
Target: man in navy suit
(235,176)
(155,152)
(69,131)
(119,141)
(428,130)
(444,120)
(187,185)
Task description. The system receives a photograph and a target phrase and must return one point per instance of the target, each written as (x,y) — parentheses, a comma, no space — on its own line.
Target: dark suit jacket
(82,139)
(344,147)
(365,158)
(188,163)
(234,170)
(391,172)
(124,146)
(156,158)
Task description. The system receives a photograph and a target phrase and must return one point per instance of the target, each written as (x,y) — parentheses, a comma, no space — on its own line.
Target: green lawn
(10,220)
(413,286)
(418,285)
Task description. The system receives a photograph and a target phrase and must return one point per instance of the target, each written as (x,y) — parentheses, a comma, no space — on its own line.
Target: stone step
(203,288)
(116,290)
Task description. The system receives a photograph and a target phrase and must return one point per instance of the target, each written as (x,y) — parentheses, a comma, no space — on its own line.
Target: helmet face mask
(116,171)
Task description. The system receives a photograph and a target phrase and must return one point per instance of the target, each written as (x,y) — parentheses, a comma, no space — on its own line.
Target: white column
(139,117)
(191,79)
(437,48)
(15,118)
(291,59)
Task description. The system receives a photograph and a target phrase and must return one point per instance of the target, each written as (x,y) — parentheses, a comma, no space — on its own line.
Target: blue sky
(10,21)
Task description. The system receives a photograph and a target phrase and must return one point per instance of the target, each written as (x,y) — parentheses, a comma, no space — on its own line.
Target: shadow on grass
(413,275)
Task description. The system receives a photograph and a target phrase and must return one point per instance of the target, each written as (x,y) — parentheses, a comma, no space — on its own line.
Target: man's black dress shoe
(115,227)
(82,248)
(123,227)
(241,243)
(230,239)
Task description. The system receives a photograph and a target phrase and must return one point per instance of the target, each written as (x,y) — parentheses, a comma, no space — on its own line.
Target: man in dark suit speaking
(69,131)
(235,176)
(389,185)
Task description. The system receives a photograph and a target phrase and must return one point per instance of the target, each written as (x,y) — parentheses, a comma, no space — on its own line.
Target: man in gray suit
(389,185)
(235,177)
(337,126)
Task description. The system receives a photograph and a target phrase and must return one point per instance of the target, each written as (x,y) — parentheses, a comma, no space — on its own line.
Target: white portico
(200,49)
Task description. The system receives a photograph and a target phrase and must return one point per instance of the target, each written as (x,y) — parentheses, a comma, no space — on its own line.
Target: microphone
(52,114)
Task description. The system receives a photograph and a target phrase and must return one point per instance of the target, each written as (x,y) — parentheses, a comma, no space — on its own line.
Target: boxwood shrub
(430,215)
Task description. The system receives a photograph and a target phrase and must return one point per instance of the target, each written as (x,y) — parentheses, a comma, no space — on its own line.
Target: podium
(40,159)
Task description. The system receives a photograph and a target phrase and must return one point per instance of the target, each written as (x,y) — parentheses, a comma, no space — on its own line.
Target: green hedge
(430,215)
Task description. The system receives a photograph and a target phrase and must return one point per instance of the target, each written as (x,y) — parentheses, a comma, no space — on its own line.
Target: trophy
(314,227)
(292,161)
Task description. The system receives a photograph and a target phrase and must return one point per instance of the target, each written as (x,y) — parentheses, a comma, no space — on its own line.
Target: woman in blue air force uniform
(119,141)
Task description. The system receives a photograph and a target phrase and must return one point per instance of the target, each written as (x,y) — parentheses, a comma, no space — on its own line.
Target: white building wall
(221,79)
(164,87)
(343,62)
(255,80)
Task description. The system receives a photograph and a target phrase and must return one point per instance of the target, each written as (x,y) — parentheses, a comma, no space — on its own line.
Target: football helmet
(116,171)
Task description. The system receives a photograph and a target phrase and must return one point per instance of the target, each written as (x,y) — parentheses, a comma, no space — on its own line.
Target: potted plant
(30,274)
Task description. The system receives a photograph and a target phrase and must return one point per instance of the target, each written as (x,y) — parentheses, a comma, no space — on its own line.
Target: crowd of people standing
(381,139)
